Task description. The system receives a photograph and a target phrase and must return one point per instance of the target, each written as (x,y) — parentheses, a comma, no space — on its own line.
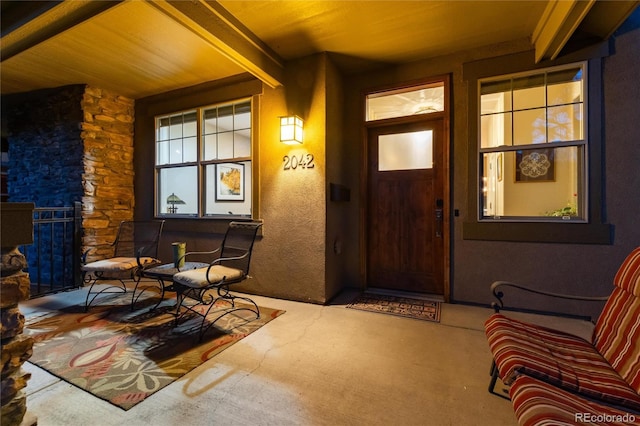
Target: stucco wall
(572,268)
(357,85)
(296,258)
(622,152)
(568,268)
(342,231)
(289,260)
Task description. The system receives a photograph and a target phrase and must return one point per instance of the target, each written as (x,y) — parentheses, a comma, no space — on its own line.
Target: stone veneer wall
(16,229)
(45,148)
(107,133)
(17,347)
(65,145)
(73,143)
(44,168)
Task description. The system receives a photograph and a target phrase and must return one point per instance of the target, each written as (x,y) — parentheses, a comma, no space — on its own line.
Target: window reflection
(521,118)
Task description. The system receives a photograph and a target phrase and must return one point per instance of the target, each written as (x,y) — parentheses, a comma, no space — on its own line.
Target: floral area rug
(123,356)
(401,306)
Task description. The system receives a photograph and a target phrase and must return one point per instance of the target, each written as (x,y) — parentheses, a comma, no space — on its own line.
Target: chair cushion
(537,403)
(628,275)
(197,278)
(617,330)
(617,333)
(118,264)
(555,357)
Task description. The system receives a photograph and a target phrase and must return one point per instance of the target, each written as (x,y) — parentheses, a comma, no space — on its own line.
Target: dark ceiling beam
(215,25)
(559,21)
(28,30)
(14,14)
(605,17)
(578,21)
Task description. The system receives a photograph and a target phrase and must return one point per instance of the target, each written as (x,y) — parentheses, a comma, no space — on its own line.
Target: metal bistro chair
(134,249)
(230,266)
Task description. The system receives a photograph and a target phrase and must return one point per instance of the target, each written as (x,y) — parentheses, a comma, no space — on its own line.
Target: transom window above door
(405,102)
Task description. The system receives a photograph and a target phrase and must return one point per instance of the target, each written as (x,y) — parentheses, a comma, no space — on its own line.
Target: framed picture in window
(229,182)
(535,165)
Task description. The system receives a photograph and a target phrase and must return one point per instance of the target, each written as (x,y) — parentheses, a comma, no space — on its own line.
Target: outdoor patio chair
(134,249)
(201,290)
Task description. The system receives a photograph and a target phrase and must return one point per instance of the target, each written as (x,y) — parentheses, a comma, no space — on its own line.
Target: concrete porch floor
(314,365)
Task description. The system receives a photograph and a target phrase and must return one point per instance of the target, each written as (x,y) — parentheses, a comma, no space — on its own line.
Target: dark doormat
(425,310)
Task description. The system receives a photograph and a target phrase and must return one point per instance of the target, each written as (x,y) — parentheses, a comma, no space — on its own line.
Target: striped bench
(605,370)
(538,403)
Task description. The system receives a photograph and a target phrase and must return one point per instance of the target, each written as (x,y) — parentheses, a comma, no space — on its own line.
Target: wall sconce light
(291,130)
(172,200)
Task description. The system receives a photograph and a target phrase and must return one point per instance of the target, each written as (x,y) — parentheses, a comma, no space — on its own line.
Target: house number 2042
(292,162)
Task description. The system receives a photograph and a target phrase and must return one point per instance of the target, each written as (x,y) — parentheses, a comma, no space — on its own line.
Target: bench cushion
(555,357)
(628,275)
(197,278)
(617,330)
(537,403)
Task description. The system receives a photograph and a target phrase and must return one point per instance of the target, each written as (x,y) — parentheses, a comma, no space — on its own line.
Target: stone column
(17,229)
(107,135)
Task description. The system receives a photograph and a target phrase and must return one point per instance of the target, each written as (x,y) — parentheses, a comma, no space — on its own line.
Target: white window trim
(201,164)
(584,218)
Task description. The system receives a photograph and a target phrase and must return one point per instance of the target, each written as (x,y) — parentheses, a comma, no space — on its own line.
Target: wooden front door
(405,206)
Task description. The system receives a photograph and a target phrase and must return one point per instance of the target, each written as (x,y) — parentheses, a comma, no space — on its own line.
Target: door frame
(446,170)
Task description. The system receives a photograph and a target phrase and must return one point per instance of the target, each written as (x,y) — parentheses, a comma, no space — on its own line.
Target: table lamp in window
(172,200)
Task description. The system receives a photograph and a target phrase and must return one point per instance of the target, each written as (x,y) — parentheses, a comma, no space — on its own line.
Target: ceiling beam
(214,24)
(607,16)
(558,22)
(51,22)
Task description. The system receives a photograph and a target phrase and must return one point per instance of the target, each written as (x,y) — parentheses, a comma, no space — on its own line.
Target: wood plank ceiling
(141,47)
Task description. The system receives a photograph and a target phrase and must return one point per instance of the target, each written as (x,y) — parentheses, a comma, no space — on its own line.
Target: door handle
(439,212)
(439,215)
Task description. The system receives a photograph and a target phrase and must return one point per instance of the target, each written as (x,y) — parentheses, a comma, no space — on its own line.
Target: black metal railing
(54,257)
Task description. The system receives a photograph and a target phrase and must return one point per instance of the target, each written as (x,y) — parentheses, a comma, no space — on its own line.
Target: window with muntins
(203,162)
(532,146)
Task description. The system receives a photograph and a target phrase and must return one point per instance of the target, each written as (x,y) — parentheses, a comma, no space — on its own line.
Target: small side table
(164,274)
